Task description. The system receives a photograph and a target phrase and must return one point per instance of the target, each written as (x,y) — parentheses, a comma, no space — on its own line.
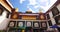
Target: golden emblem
(42,16)
(14,16)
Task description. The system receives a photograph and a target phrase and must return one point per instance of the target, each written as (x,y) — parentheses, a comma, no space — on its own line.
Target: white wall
(3,21)
(52,19)
(58,6)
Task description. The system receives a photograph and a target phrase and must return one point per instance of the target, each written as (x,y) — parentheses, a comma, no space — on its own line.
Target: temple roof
(6,5)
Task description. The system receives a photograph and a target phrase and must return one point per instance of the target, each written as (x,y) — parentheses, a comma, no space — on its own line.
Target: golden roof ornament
(28,11)
(40,10)
(16,10)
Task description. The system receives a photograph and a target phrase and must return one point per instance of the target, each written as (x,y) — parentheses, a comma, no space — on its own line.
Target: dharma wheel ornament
(15,16)
(42,16)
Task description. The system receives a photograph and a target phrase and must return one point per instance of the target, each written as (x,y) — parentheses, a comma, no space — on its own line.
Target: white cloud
(43,0)
(31,9)
(41,3)
(36,6)
(21,1)
(32,2)
(45,8)
(38,3)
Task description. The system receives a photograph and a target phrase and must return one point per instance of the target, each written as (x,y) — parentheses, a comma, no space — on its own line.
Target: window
(43,25)
(36,24)
(1,11)
(50,23)
(57,19)
(28,23)
(55,11)
(48,17)
(21,23)
(12,24)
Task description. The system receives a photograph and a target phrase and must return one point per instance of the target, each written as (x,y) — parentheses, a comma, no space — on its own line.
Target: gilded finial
(40,10)
(16,10)
(28,11)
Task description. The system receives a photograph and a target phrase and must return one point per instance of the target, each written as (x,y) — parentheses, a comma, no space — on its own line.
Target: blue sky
(33,5)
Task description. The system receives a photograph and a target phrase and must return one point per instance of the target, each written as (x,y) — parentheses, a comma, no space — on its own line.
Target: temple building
(13,21)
